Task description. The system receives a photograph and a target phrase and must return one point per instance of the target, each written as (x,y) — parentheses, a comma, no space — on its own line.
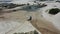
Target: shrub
(54,11)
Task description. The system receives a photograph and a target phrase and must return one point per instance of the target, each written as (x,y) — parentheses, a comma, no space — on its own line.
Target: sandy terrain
(45,27)
(15,22)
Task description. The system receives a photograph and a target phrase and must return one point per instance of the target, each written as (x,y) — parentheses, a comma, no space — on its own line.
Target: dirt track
(41,24)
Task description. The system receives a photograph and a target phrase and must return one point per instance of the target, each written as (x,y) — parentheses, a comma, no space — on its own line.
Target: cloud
(5,0)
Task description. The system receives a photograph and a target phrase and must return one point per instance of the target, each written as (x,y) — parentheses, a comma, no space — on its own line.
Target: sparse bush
(54,11)
(35,32)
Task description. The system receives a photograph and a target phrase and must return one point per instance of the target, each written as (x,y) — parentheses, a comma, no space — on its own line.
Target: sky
(5,0)
(15,1)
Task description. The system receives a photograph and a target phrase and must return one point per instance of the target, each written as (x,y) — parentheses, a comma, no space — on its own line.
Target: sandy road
(19,16)
(45,27)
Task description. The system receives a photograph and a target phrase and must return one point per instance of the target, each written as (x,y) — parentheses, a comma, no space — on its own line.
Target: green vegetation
(54,11)
(35,32)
